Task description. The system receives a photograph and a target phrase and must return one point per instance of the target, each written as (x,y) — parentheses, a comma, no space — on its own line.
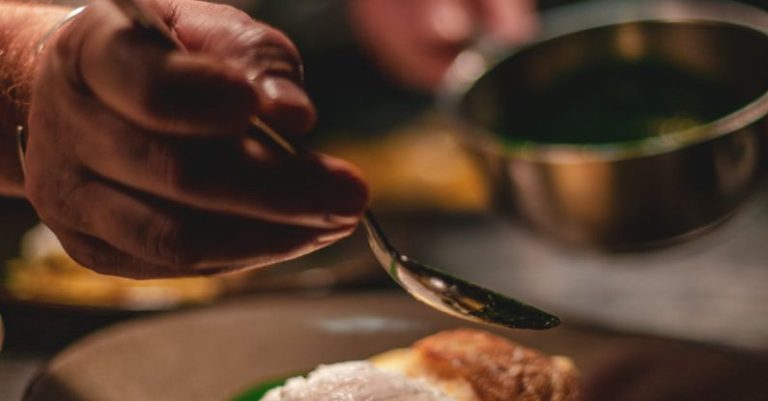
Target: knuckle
(232,14)
(275,37)
(65,42)
(66,49)
(270,50)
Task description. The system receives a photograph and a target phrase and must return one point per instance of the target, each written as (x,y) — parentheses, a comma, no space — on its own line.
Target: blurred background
(700,299)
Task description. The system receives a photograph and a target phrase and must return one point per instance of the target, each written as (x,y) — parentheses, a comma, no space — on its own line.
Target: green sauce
(618,102)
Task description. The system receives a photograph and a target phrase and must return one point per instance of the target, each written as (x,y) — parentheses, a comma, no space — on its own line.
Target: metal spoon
(431,286)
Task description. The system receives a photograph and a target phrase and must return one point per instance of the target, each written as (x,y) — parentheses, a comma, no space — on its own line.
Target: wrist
(22,26)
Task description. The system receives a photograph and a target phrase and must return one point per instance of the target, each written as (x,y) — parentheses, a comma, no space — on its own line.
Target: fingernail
(339,220)
(284,90)
(335,236)
(285,104)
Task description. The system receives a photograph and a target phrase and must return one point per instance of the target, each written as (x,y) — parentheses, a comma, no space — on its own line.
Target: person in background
(372,64)
(138,154)
(411,42)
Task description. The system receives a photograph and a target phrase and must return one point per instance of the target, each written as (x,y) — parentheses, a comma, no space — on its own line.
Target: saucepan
(625,124)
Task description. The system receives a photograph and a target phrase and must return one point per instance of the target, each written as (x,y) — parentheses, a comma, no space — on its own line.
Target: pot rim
(481,58)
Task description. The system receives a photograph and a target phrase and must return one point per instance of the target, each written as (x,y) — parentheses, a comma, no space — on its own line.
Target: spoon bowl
(450,294)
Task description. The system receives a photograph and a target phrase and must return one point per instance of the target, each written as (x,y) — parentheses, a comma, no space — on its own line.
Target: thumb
(283,103)
(275,70)
(269,59)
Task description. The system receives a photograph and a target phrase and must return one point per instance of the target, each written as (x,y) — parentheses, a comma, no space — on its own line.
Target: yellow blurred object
(420,166)
(60,280)
(44,273)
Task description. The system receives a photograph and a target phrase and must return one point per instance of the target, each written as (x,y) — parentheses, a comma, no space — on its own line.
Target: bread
(472,365)
(457,365)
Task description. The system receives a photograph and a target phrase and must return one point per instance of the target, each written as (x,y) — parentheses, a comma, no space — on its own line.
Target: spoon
(436,288)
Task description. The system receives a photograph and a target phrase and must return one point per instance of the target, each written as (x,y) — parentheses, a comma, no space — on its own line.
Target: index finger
(150,82)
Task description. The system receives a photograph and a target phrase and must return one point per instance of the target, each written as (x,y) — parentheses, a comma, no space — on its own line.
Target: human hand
(138,157)
(414,41)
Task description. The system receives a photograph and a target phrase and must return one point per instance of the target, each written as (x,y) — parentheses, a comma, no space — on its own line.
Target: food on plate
(45,273)
(357,380)
(456,365)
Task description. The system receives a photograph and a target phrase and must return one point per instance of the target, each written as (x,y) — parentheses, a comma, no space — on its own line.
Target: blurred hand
(414,41)
(138,157)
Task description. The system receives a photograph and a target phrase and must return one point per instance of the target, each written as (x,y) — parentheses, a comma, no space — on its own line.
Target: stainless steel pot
(621,195)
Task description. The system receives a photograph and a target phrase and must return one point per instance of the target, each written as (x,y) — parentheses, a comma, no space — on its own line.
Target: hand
(414,41)
(138,157)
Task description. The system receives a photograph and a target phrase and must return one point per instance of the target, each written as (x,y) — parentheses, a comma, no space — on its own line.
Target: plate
(219,352)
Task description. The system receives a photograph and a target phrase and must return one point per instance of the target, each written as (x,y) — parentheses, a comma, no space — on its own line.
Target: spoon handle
(149,21)
(431,286)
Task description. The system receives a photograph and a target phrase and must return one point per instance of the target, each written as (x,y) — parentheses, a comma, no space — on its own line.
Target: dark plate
(219,352)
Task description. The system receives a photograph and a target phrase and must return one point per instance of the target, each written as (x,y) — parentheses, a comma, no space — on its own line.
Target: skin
(139,157)
(414,42)
(20,27)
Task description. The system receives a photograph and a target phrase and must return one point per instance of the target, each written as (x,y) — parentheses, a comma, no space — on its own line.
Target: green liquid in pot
(619,102)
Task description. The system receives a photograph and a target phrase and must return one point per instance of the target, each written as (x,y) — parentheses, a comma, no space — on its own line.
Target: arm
(21,27)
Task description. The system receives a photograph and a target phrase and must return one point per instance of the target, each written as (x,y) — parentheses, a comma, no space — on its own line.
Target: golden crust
(409,363)
(496,368)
